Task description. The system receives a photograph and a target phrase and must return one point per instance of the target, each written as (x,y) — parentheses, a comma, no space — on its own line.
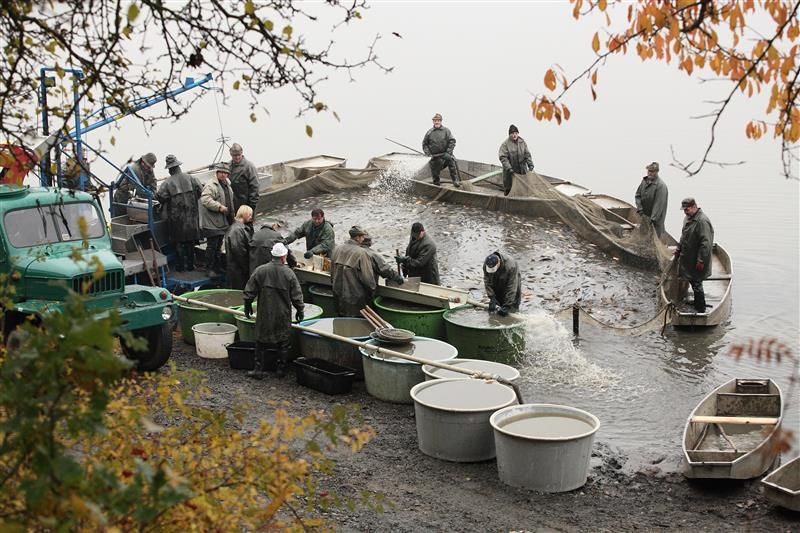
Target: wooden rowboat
(717,289)
(732,433)
(782,487)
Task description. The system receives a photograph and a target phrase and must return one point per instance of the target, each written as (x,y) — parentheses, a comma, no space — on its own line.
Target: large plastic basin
(423,320)
(480,335)
(189,315)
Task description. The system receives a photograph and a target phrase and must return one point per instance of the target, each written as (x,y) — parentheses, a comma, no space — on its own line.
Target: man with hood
(515,158)
(420,259)
(651,198)
(244,179)
(142,168)
(319,234)
(503,283)
(262,242)
(439,144)
(694,250)
(352,275)
(216,216)
(178,195)
(277,290)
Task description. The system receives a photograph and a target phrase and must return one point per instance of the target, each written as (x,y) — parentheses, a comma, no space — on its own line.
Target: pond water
(641,388)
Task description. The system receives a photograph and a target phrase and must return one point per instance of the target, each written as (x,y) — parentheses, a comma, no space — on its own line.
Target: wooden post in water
(576,313)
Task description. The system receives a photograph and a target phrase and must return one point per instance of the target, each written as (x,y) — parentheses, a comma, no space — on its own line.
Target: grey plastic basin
(544,447)
(490,367)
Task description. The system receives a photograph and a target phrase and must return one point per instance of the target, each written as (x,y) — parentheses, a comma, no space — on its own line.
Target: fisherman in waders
(651,198)
(261,245)
(216,216)
(352,276)
(380,268)
(178,194)
(694,250)
(237,248)
(439,144)
(420,259)
(244,179)
(143,169)
(503,283)
(320,238)
(515,158)
(277,290)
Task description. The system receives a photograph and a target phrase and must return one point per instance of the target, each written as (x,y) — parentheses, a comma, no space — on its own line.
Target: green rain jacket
(352,277)
(244,182)
(651,201)
(319,239)
(277,290)
(697,242)
(505,285)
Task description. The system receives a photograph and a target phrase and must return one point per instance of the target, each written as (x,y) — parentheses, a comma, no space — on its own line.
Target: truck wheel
(159,347)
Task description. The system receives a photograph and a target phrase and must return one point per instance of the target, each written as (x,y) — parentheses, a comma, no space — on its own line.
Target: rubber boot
(282,363)
(700,302)
(258,366)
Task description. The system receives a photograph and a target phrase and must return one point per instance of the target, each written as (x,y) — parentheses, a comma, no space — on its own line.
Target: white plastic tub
(211,339)
(543,447)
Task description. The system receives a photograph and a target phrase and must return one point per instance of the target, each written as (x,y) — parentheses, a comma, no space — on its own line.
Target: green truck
(41,228)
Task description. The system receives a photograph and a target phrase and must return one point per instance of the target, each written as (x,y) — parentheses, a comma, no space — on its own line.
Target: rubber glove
(502,311)
(699,266)
(291,261)
(401,259)
(399,279)
(308,254)
(492,305)
(248,308)
(299,316)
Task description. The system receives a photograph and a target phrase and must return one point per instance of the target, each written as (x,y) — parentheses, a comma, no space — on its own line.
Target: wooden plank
(738,420)
(721,277)
(485,176)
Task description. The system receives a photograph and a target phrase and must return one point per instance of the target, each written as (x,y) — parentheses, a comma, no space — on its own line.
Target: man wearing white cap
(503,283)
(277,289)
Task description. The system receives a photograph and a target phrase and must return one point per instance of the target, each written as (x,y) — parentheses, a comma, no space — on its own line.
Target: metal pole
(576,313)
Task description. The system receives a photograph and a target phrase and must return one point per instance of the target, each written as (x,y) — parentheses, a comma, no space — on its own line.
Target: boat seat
(736,420)
(714,456)
(721,277)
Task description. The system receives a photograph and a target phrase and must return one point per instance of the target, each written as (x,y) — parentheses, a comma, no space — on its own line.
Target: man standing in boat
(515,158)
(352,276)
(694,250)
(503,283)
(216,216)
(651,198)
(420,259)
(276,287)
(178,194)
(320,238)
(244,179)
(439,144)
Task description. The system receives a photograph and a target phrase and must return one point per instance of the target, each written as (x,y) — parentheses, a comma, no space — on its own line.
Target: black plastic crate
(324,376)
(242,355)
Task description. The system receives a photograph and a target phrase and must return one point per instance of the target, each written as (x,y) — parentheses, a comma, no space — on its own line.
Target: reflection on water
(642,388)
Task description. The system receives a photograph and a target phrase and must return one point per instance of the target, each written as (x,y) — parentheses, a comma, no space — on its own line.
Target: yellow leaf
(596,43)
(594,77)
(236,85)
(309,131)
(249,8)
(550,79)
(601,5)
(133,12)
(113,141)
(566,112)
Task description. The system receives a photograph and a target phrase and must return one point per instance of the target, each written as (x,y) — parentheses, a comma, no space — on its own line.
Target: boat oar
(458,170)
(477,374)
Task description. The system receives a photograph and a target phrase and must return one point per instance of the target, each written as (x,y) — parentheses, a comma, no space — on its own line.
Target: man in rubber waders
(420,259)
(277,290)
(380,268)
(503,283)
(320,238)
(515,158)
(352,276)
(439,144)
(694,250)
(651,198)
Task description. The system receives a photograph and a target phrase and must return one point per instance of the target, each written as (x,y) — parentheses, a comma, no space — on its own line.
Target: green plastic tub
(247,326)
(423,320)
(323,297)
(480,335)
(189,315)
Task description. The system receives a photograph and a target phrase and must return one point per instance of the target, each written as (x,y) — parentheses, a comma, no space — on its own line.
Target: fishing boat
(782,487)
(717,290)
(732,432)
(609,223)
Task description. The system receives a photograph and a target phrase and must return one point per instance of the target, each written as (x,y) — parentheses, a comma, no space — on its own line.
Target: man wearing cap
(503,283)
(237,248)
(277,290)
(694,250)
(420,259)
(243,178)
(320,238)
(380,267)
(515,158)
(651,198)
(352,276)
(179,194)
(262,242)
(439,143)
(216,216)
(142,169)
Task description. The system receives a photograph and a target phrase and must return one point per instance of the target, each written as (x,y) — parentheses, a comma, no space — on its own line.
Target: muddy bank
(428,494)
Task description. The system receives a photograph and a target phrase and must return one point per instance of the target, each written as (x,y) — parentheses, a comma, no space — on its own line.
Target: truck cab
(41,228)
